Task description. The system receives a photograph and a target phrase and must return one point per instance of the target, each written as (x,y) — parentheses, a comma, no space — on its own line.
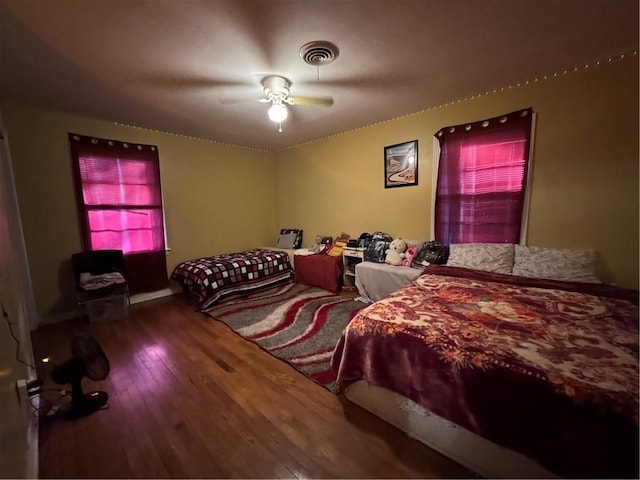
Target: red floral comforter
(546,368)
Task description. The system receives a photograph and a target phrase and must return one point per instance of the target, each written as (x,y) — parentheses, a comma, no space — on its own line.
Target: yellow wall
(585,169)
(218,198)
(221,198)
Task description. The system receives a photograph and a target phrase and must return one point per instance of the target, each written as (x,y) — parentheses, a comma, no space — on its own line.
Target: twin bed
(509,375)
(215,278)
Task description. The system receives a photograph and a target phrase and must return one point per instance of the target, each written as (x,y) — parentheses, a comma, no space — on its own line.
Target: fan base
(87,404)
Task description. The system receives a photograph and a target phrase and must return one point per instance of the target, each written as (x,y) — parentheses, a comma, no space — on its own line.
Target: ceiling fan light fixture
(278,113)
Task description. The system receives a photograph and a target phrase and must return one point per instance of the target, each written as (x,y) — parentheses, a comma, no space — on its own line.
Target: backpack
(364,240)
(431,253)
(377,249)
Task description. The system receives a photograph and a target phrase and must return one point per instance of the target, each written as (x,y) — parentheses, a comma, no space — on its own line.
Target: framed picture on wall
(401,164)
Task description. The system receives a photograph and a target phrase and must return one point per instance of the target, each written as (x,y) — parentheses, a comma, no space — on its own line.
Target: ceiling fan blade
(232,100)
(181,81)
(375,81)
(321,101)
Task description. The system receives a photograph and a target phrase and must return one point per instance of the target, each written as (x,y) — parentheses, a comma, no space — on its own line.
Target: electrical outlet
(33,386)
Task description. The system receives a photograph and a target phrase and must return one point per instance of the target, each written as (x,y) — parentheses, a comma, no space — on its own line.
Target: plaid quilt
(213,278)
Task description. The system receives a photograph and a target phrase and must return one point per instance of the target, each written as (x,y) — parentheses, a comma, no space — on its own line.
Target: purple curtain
(120,205)
(482,177)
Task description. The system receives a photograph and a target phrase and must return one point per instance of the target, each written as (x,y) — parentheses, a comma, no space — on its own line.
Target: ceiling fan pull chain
(318,67)
(280,127)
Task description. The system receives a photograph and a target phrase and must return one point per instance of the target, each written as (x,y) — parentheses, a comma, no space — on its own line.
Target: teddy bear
(320,244)
(317,246)
(395,252)
(410,254)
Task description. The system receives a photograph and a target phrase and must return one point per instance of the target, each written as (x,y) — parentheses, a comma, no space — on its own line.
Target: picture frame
(401,164)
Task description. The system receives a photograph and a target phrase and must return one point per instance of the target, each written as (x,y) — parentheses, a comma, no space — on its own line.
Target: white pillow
(287,240)
(489,257)
(555,264)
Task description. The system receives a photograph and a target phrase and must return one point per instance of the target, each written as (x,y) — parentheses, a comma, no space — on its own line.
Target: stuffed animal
(395,252)
(318,245)
(410,254)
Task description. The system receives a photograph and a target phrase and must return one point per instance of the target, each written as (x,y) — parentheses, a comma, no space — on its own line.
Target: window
(482,178)
(119,200)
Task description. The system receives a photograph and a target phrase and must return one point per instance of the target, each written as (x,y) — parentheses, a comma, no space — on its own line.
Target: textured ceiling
(175,65)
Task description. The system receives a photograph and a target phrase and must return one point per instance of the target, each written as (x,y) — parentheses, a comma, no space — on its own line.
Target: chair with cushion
(99,274)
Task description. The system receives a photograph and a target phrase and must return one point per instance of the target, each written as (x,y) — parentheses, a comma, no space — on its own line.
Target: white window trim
(167,248)
(527,193)
(434,189)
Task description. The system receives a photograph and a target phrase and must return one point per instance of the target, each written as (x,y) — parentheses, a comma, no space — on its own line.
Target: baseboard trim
(33,447)
(146,296)
(80,311)
(62,317)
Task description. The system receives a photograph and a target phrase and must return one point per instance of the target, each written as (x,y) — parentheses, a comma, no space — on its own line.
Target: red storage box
(321,270)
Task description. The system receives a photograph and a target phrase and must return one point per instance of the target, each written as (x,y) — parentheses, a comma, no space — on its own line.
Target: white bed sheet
(375,281)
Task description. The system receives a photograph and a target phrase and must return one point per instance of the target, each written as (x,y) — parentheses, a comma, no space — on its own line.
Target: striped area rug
(296,323)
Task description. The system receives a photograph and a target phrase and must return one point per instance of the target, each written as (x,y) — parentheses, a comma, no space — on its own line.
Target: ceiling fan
(277,90)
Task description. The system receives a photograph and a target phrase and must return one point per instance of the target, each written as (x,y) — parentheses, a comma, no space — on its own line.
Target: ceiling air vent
(319,53)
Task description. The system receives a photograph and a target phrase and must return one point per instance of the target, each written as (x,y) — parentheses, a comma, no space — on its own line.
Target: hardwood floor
(190,398)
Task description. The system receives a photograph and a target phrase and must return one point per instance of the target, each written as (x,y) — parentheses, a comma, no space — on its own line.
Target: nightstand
(351,256)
